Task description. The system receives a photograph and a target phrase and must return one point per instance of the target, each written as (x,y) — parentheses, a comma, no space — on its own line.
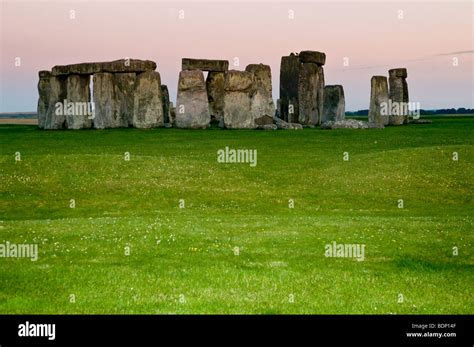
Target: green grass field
(184,260)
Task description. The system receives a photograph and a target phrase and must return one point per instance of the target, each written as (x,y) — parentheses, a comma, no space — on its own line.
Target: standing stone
(148,101)
(237,100)
(78,93)
(334,104)
(192,106)
(215,93)
(52,90)
(310,94)
(113,99)
(262,101)
(289,82)
(378,110)
(166,104)
(398,94)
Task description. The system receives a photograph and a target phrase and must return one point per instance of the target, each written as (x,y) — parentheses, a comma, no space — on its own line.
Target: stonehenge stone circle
(148,101)
(239,88)
(334,104)
(378,98)
(192,106)
(129,93)
(262,101)
(398,94)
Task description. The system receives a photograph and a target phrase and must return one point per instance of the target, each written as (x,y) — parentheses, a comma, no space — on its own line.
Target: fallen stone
(345,124)
(420,121)
(204,64)
(122,65)
(281,124)
(192,105)
(313,57)
(264,120)
(378,109)
(334,104)
(262,100)
(148,101)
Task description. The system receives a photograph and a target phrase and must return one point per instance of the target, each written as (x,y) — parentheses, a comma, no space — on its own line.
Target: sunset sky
(428,39)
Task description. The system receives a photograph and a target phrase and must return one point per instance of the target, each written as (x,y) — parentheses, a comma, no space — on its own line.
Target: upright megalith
(52,91)
(113,99)
(78,106)
(148,101)
(262,102)
(334,103)
(215,93)
(289,82)
(398,95)
(192,106)
(204,64)
(166,105)
(378,112)
(302,87)
(239,88)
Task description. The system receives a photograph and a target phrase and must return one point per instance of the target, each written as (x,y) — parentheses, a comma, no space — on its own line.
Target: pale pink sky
(369,33)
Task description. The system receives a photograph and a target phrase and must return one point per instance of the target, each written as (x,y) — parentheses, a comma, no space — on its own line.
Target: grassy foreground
(236,246)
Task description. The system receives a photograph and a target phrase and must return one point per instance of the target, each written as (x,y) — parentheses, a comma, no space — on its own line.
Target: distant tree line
(460,110)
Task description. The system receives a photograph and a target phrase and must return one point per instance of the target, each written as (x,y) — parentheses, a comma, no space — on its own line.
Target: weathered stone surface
(281,124)
(268,127)
(378,112)
(204,64)
(166,104)
(334,104)
(215,93)
(237,100)
(192,105)
(399,72)
(264,120)
(398,94)
(113,99)
(289,82)
(262,101)
(44,73)
(345,124)
(420,121)
(52,90)
(310,93)
(78,93)
(122,65)
(313,57)
(148,101)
